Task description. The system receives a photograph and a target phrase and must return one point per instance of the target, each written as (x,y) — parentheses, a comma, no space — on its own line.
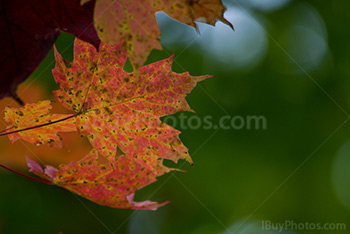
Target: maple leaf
(29,30)
(24,117)
(116,109)
(74,145)
(111,185)
(135,22)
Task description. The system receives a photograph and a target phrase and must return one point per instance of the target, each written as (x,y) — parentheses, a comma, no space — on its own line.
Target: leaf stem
(6,129)
(38,126)
(17,99)
(25,175)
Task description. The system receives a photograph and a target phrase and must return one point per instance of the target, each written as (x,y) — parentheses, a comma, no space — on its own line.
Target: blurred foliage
(287,61)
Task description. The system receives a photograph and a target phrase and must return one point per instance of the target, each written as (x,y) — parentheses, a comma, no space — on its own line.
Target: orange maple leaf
(39,115)
(114,109)
(12,153)
(135,21)
(111,185)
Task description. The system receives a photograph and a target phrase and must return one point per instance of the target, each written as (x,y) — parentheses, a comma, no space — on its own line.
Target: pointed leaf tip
(34,167)
(50,172)
(145,205)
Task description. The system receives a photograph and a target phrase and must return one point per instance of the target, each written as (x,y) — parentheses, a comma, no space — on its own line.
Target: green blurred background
(287,61)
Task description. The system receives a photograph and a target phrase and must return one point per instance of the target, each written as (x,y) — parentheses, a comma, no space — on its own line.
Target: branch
(6,129)
(17,99)
(25,175)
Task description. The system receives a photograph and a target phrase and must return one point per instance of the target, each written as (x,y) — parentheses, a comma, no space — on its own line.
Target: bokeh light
(341,174)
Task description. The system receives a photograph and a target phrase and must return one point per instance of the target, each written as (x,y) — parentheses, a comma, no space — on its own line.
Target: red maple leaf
(114,109)
(135,21)
(111,185)
(29,30)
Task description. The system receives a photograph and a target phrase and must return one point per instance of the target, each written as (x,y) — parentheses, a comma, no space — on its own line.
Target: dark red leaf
(29,29)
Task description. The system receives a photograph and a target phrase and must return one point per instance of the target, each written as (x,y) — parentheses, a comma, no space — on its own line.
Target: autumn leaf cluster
(118,112)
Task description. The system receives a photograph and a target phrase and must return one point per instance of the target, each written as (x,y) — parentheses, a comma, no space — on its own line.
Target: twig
(25,175)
